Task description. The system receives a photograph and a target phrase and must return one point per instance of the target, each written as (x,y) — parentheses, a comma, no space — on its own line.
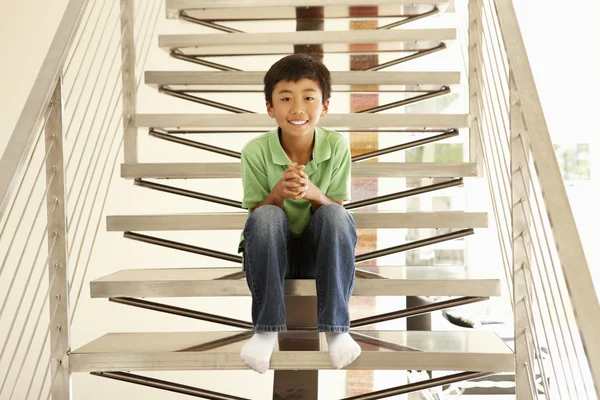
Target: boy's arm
(274,198)
(322,200)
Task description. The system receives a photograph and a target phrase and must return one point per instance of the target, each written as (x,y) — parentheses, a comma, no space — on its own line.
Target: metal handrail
(570,249)
(21,141)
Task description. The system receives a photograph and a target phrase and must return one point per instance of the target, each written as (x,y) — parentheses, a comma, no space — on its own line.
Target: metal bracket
(236,323)
(414,311)
(170,135)
(166,385)
(350,206)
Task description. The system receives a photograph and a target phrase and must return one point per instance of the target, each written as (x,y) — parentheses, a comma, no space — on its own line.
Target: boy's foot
(256,353)
(343,350)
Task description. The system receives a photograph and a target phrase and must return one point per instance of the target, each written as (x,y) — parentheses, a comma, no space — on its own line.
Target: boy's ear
(325,108)
(270,110)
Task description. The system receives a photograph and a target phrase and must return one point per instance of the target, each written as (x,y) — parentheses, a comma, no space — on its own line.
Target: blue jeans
(325,252)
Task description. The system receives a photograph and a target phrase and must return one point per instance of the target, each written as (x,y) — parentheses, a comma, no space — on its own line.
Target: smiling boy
(295,179)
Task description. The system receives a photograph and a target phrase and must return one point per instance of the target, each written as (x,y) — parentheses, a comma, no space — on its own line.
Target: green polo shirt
(264,161)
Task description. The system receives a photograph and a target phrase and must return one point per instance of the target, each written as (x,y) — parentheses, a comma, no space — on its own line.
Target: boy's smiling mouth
(298,122)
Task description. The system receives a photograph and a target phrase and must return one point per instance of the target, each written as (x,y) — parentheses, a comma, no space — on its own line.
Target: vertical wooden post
(521,247)
(58,271)
(475,69)
(130,145)
(301,312)
(310,19)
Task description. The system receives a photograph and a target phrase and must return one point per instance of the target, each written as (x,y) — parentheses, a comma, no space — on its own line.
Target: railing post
(130,143)
(58,271)
(475,57)
(521,247)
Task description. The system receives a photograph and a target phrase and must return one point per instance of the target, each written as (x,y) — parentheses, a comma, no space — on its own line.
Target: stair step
(398,281)
(179,351)
(175,6)
(359,170)
(364,220)
(244,43)
(225,79)
(355,121)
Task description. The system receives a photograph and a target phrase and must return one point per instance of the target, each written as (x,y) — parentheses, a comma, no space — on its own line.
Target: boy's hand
(297,185)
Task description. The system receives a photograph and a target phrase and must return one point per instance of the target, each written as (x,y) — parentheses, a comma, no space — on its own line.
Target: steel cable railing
(93,152)
(156,14)
(560,317)
(23,334)
(552,349)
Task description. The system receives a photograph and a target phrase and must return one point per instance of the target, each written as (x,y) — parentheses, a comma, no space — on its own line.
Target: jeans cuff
(333,328)
(270,328)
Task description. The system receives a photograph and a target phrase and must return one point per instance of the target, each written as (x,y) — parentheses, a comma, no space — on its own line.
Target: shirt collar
(321,151)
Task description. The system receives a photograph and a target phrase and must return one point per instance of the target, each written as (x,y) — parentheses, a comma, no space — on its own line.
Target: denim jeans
(325,252)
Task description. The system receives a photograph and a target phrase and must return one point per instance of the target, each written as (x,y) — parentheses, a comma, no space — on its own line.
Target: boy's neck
(298,149)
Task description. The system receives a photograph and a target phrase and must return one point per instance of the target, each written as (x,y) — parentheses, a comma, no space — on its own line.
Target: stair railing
(61,157)
(556,323)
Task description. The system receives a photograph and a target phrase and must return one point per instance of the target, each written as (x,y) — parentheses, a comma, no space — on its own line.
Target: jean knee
(334,215)
(267,221)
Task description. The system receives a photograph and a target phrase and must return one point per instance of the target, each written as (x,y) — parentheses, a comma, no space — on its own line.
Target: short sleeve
(339,186)
(254,181)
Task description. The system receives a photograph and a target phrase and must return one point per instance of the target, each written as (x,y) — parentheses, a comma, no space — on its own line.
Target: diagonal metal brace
(192,143)
(414,245)
(417,54)
(415,99)
(188,193)
(408,145)
(196,60)
(405,193)
(203,101)
(417,386)
(350,206)
(411,18)
(209,24)
(419,310)
(182,312)
(166,385)
(182,246)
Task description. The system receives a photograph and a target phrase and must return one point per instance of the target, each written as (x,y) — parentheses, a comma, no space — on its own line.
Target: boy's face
(297,106)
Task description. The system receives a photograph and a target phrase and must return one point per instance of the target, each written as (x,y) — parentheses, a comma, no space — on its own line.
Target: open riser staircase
(478,353)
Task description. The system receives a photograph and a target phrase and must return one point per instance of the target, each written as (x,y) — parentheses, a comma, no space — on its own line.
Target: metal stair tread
(359,170)
(255,78)
(366,121)
(221,40)
(177,5)
(192,282)
(396,350)
(363,219)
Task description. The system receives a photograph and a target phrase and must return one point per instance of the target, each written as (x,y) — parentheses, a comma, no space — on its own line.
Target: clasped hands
(296,185)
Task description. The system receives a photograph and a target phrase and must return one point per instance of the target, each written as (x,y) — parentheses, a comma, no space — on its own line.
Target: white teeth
(297,122)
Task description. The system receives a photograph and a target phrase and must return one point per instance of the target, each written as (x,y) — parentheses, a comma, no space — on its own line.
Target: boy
(295,180)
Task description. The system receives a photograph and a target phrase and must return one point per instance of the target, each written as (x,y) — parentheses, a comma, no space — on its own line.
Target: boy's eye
(310,98)
(286,99)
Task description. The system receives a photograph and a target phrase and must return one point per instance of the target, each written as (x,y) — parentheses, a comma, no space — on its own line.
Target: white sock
(343,350)
(256,353)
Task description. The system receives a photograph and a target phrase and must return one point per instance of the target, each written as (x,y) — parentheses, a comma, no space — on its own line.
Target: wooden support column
(301,311)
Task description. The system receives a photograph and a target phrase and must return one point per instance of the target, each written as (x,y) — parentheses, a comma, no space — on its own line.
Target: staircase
(375,51)
(478,353)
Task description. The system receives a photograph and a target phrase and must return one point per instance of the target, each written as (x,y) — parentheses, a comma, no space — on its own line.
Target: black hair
(295,67)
